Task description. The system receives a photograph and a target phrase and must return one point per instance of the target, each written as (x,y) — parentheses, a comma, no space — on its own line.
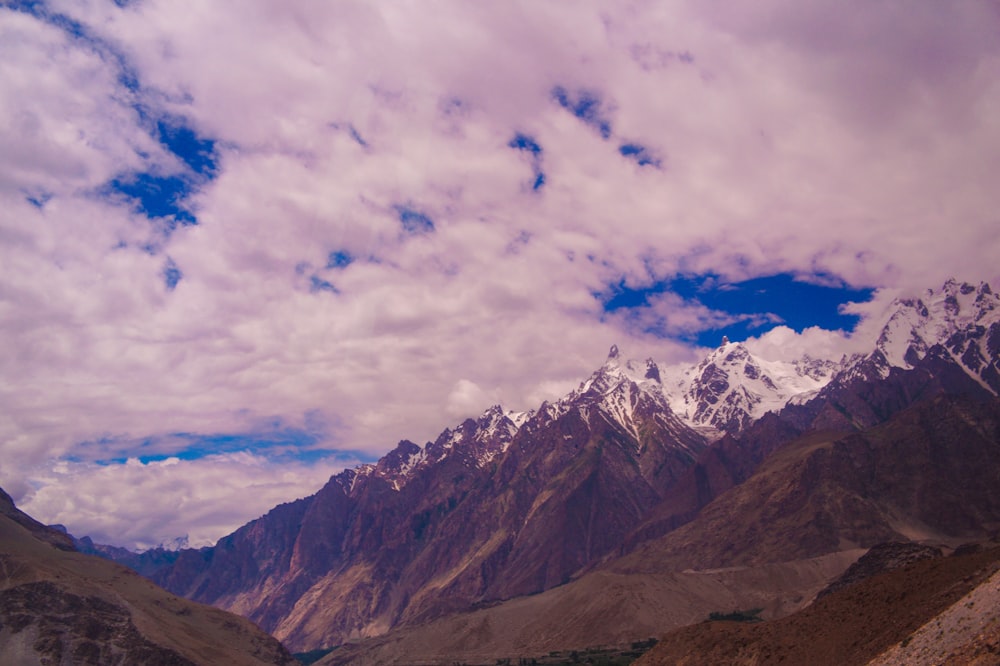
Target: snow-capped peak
(731,387)
(475,441)
(615,391)
(962,318)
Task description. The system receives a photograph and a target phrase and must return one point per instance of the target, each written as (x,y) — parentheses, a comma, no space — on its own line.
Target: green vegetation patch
(752,615)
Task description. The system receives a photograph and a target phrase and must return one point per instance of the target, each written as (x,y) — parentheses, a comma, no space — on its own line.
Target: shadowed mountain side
(471,518)
(844,406)
(928,473)
(59,606)
(846,628)
(601,609)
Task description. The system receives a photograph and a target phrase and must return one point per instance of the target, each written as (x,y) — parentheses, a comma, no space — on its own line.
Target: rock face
(61,607)
(502,506)
(928,473)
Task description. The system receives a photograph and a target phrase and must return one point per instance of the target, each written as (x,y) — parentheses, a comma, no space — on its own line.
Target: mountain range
(643,500)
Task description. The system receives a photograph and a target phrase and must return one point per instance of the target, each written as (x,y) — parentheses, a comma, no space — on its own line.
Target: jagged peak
(653,371)
(615,372)
(728,353)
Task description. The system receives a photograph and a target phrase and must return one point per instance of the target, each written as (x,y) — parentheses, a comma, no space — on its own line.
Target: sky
(244,245)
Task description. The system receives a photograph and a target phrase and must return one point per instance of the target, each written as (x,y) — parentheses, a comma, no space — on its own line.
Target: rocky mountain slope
(807,460)
(58,606)
(772,542)
(499,507)
(928,473)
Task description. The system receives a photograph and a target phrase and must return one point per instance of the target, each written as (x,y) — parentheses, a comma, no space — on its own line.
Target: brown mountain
(929,473)
(772,542)
(508,506)
(59,606)
(878,620)
(610,482)
(856,400)
(487,512)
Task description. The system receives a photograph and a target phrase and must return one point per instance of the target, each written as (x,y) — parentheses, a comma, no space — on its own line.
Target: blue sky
(245,247)
(759,304)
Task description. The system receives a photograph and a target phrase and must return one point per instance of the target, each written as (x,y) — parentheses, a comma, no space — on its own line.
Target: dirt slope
(602,609)
(61,607)
(851,626)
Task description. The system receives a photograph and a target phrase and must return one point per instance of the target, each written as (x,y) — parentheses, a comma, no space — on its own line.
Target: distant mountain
(807,460)
(145,563)
(58,606)
(498,507)
(961,320)
(730,388)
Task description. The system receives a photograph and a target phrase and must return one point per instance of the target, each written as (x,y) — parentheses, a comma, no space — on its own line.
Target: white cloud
(141,505)
(799,138)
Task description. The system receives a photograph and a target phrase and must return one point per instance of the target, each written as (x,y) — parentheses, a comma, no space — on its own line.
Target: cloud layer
(412,209)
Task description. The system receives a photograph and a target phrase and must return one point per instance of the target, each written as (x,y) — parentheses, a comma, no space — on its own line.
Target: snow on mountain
(961,318)
(731,387)
(477,442)
(626,393)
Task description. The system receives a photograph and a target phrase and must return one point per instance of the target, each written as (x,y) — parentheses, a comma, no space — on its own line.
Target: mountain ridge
(515,504)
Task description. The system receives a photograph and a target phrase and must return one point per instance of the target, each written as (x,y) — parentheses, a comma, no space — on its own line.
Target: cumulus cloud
(160,501)
(688,137)
(784,344)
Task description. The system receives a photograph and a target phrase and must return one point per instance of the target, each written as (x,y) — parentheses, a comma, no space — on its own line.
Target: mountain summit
(731,388)
(959,320)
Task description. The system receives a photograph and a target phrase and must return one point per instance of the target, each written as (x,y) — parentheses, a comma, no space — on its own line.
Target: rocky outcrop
(43,622)
(879,559)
